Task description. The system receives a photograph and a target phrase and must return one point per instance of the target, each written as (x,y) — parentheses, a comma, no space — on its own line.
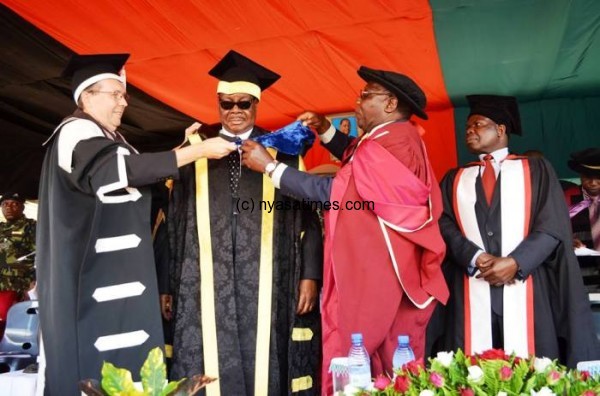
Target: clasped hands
(497,271)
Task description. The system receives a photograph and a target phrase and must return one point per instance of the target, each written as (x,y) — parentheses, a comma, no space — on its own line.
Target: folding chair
(19,346)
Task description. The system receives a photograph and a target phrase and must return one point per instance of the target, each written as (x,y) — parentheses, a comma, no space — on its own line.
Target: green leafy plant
(490,373)
(118,381)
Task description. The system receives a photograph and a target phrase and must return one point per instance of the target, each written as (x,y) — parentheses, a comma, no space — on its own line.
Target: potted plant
(117,381)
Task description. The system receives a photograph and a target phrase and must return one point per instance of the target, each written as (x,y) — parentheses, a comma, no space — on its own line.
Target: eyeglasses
(364,95)
(242,104)
(117,95)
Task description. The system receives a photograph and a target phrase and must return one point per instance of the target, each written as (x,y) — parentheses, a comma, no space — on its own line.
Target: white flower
(350,390)
(501,393)
(545,391)
(541,364)
(445,358)
(475,374)
(426,392)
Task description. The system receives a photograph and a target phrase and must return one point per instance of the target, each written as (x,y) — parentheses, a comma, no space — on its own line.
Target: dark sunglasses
(242,104)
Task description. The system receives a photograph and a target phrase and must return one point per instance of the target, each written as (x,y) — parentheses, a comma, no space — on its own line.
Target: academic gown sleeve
(98,160)
(460,248)
(337,145)
(544,235)
(312,247)
(301,185)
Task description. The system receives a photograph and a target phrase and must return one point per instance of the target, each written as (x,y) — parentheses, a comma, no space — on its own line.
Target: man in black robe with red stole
(514,279)
(244,278)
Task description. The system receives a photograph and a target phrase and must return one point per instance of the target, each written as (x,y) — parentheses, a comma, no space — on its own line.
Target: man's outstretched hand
(255,156)
(314,120)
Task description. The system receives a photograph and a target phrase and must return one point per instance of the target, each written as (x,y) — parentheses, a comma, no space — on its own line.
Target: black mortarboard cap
(586,162)
(239,74)
(403,87)
(85,70)
(500,109)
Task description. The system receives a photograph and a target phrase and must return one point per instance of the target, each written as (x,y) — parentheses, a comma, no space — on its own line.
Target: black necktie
(229,138)
(235,169)
(233,159)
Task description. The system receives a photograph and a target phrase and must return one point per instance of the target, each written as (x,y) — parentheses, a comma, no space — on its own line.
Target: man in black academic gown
(514,279)
(243,279)
(95,268)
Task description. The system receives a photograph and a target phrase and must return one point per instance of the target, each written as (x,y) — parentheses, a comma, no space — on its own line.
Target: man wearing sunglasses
(95,264)
(382,274)
(244,279)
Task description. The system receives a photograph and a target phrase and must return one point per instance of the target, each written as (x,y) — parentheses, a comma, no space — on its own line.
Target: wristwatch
(271,167)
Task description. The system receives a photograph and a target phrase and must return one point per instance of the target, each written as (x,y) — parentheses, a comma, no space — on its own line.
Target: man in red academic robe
(383,247)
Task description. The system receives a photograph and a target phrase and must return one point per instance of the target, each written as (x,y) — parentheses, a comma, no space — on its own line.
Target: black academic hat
(14,196)
(405,89)
(238,74)
(586,162)
(86,70)
(500,109)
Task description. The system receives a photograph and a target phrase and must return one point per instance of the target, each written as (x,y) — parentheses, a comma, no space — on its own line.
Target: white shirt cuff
(328,135)
(472,266)
(277,173)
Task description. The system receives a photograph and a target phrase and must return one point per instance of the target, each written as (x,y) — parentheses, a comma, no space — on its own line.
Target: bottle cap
(403,339)
(357,337)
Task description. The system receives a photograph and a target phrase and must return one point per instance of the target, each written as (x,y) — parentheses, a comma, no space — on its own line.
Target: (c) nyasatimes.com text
(269,206)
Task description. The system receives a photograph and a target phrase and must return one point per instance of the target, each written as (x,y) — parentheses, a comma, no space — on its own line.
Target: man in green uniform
(17,241)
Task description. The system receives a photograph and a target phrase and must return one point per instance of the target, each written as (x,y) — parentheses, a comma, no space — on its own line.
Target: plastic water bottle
(403,353)
(359,364)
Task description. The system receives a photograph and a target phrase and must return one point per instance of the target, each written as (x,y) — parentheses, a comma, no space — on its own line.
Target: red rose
(493,354)
(553,377)
(517,360)
(401,383)
(381,382)
(415,366)
(584,375)
(466,392)
(588,393)
(505,373)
